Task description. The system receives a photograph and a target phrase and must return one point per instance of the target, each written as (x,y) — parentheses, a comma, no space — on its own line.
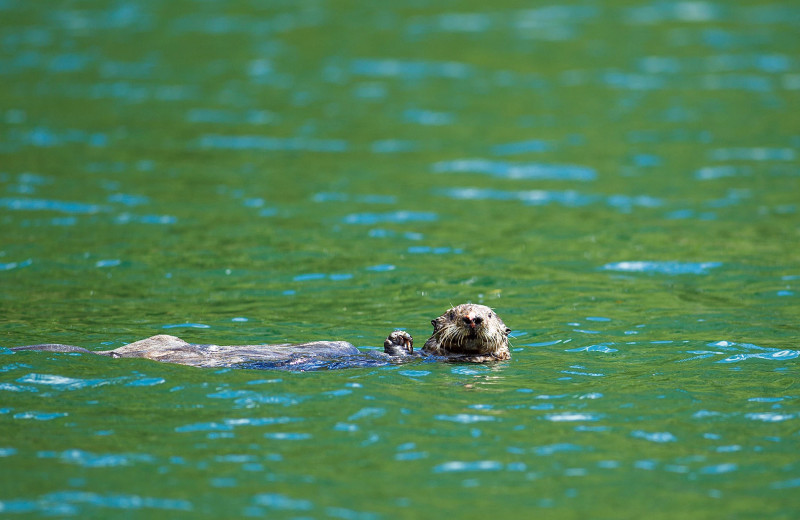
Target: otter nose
(472,321)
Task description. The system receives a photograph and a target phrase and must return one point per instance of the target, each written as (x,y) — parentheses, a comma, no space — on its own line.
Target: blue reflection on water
(321,276)
(465,418)
(44,137)
(753,154)
(434,250)
(568,198)
(410,69)
(253,117)
(532,145)
(51,205)
(667,267)
(518,170)
(39,416)
(744,352)
(186,326)
(393,146)
(661,12)
(127,218)
(92,460)
(15,265)
(260,142)
(428,117)
(654,436)
(603,348)
(283,502)
(108,263)
(128,200)
(530,197)
(458,466)
(394,216)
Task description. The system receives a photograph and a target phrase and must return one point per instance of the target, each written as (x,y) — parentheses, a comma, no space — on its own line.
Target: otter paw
(399,343)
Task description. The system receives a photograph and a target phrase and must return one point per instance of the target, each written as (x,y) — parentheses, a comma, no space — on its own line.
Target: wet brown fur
(469,332)
(466,332)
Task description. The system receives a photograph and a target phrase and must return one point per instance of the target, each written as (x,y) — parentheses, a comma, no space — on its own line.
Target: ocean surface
(619,180)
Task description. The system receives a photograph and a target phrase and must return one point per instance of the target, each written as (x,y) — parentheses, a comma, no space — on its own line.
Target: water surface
(618,180)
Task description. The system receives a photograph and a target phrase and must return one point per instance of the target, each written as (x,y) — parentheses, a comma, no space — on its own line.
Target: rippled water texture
(619,180)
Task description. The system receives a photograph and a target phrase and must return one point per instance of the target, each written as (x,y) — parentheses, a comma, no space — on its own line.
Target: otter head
(470,329)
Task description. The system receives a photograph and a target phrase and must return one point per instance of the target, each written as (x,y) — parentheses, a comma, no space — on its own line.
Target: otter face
(470,329)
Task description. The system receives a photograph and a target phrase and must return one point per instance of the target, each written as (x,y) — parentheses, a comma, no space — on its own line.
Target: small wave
(571,417)
(533,145)
(40,416)
(51,205)
(564,172)
(602,347)
(61,382)
(283,502)
(394,217)
(410,69)
(654,436)
(186,326)
(667,267)
(260,142)
(15,265)
(288,436)
(460,466)
(92,460)
(465,418)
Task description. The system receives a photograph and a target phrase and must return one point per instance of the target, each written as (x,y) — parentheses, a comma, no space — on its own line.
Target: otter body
(467,332)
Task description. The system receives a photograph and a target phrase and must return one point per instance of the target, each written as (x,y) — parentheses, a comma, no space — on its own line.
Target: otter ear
(433,322)
(508,331)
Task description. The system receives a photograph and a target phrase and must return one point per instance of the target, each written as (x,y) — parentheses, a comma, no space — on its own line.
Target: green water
(619,180)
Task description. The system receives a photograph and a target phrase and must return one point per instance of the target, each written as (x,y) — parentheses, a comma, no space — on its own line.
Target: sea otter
(466,332)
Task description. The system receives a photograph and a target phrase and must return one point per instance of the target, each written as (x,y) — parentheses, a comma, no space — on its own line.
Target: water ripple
(61,382)
(92,460)
(532,145)
(410,69)
(15,265)
(460,466)
(259,142)
(556,448)
(777,355)
(249,398)
(288,436)
(394,217)
(742,352)
(230,424)
(753,154)
(662,12)
(40,416)
(52,205)
(283,502)
(770,417)
(654,436)
(565,172)
(719,469)
(568,198)
(571,417)
(414,373)
(602,347)
(465,418)
(530,197)
(666,267)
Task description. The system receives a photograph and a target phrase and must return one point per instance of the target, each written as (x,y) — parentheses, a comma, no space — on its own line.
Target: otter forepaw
(399,343)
